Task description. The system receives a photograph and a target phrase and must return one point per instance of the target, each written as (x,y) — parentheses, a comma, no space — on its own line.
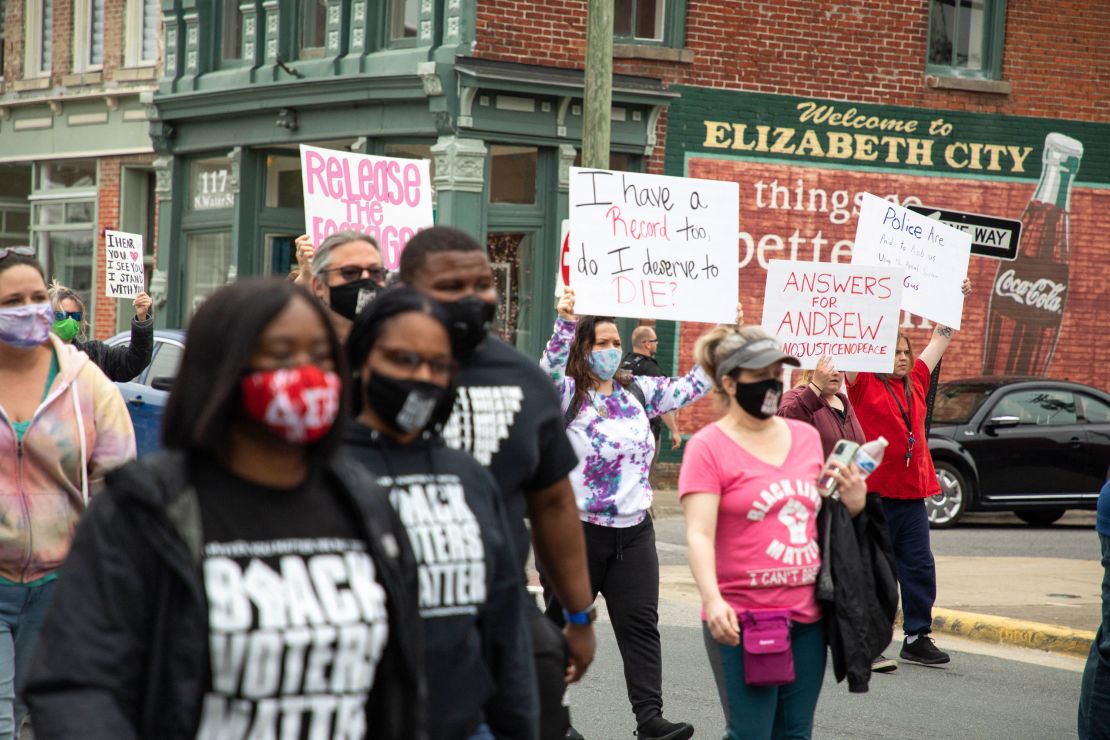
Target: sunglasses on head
(62,315)
(22,251)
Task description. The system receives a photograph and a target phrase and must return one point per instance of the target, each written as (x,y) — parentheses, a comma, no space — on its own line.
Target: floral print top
(612,436)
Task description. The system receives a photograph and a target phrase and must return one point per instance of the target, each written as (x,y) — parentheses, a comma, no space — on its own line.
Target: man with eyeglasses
(347,272)
(641,361)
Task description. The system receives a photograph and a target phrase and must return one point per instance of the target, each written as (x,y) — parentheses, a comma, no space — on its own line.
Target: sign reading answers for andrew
(991,236)
(848,312)
(651,246)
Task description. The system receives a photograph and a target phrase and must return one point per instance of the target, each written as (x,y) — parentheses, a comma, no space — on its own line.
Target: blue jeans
(779,712)
(1094,692)
(908,522)
(22,609)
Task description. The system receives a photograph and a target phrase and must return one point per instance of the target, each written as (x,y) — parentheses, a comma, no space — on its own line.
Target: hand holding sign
(824,372)
(566,305)
(142,306)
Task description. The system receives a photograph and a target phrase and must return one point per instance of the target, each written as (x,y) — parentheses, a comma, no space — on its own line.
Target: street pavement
(992,565)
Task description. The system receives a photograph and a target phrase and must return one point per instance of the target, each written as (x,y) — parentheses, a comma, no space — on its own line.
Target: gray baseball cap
(754,355)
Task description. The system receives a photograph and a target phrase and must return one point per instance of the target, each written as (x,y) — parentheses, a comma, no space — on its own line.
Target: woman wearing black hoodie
(246,582)
(477,650)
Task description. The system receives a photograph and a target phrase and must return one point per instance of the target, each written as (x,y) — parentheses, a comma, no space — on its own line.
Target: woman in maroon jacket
(820,402)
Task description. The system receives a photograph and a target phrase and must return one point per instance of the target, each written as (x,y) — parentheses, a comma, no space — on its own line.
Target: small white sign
(124,273)
(651,246)
(388,198)
(848,312)
(934,256)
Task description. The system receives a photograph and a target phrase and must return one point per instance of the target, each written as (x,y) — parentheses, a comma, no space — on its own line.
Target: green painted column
(247,183)
(166,282)
(460,177)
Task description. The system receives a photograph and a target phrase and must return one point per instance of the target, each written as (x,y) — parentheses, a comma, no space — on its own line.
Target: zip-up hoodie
(612,436)
(78,433)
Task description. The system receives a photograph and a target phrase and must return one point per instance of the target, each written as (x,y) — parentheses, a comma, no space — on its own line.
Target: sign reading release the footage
(935,257)
(388,198)
(848,312)
(123,265)
(650,246)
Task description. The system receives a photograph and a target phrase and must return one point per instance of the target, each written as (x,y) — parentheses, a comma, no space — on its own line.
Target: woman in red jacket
(893,406)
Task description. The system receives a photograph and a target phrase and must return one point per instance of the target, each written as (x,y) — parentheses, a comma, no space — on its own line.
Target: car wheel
(946,508)
(1040,518)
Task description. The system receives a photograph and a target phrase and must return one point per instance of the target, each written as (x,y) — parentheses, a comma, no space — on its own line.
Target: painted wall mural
(803,165)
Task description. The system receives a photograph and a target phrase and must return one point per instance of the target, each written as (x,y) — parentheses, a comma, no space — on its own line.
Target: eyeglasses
(351,273)
(61,315)
(651,341)
(22,251)
(411,362)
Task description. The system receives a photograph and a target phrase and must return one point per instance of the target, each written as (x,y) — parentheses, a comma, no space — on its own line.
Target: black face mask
(470,321)
(761,399)
(409,405)
(348,299)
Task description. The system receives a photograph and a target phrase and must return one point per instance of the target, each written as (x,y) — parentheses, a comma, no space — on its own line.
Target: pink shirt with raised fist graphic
(766,540)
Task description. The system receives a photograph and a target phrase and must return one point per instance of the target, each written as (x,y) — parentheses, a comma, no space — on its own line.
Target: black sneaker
(883,664)
(923,650)
(658,728)
(573,734)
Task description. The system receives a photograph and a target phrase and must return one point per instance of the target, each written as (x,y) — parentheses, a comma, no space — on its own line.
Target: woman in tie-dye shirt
(608,427)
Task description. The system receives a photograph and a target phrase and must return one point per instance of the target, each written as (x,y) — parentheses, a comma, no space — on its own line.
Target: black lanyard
(907,414)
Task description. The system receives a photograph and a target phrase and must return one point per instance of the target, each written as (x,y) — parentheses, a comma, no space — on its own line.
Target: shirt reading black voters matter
(507,416)
(296,617)
(476,646)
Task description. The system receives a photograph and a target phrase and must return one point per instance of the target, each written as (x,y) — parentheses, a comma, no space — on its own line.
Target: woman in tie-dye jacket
(607,422)
(63,424)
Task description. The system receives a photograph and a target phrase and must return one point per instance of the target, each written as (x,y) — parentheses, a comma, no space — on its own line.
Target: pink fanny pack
(768,659)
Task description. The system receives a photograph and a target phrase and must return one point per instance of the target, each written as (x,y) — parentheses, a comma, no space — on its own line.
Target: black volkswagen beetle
(1033,446)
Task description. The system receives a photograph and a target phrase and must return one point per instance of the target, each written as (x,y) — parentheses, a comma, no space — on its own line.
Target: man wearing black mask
(508,417)
(347,273)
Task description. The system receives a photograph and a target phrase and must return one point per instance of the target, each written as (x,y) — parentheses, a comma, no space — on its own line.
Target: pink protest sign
(388,198)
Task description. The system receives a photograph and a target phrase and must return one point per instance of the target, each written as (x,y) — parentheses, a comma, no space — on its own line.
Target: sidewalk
(1046,603)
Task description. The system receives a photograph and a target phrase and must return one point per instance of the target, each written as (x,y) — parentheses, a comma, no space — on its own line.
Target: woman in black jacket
(120,363)
(246,582)
(478,652)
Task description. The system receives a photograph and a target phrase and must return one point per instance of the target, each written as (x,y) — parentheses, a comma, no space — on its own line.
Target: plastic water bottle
(869,455)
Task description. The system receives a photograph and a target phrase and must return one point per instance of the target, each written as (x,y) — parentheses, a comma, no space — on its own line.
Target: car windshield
(956,403)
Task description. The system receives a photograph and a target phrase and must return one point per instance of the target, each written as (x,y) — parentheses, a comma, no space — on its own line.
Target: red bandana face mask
(297,404)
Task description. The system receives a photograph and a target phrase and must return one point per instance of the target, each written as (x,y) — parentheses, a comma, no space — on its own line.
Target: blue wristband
(583,617)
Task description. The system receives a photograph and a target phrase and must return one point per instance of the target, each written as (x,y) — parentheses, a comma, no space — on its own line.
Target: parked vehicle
(1033,446)
(146,393)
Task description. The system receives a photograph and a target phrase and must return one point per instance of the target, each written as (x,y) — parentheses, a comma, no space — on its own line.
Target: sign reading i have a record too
(991,236)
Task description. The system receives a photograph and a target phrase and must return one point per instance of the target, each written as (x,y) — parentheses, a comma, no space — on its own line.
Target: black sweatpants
(624,568)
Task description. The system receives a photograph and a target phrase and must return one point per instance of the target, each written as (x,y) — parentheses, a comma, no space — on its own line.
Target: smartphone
(843,452)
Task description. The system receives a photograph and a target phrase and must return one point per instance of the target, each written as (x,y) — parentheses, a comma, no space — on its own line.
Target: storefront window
(210,185)
(207,266)
(283,182)
(509,254)
(513,174)
(67,173)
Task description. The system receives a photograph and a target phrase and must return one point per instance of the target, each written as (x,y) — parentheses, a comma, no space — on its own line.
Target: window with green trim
(966,38)
(660,22)
(313,28)
(404,16)
(231,33)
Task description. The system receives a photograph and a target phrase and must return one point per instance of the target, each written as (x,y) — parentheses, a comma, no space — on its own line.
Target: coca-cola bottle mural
(1028,295)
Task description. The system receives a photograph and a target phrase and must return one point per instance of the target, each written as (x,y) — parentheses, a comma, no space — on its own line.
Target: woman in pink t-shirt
(749,491)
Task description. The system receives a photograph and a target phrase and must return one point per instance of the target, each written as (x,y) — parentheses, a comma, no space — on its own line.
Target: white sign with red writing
(934,255)
(650,246)
(388,198)
(563,280)
(848,312)
(124,274)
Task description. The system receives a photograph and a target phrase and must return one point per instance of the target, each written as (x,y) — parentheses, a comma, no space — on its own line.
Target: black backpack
(634,388)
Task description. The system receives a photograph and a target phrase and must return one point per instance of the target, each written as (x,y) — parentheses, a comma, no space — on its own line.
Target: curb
(1052,638)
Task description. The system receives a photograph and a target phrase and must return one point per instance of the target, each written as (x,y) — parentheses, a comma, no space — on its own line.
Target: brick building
(808,104)
(75,153)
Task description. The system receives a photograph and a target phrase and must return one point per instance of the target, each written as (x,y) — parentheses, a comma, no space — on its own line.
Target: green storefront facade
(241,92)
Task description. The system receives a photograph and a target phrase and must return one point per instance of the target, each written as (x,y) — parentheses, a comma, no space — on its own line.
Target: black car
(1032,446)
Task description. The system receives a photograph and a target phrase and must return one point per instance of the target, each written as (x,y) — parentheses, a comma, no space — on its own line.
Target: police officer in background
(641,361)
